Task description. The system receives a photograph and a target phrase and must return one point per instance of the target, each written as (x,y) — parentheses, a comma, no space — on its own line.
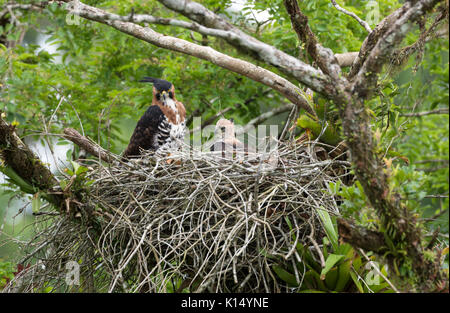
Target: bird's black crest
(159,84)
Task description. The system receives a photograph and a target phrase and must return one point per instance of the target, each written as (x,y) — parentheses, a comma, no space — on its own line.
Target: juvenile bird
(226,140)
(162,124)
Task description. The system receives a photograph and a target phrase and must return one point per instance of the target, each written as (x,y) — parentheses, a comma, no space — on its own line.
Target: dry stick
(52,152)
(360,21)
(419,114)
(432,161)
(88,145)
(316,246)
(378,270)
(288,123)
(73,107)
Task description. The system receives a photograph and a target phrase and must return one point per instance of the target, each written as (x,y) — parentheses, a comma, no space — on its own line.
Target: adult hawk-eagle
(162,123)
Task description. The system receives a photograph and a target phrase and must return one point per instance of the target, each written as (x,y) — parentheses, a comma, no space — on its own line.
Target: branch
(360,21)
(346,59)
(26,165)
(367,77)
(399,224)
(256,73)
(418,114)
(432,161)
(360,237)
(265,116)
(286,63)
(218,27)
(432,169)
(401,56)
(146,18)
(14,6)
(438,197)
(85,143)
(371,40)
(211,119)
(324,57)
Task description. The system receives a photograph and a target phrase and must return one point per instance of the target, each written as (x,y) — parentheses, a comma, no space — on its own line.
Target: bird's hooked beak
(164,96)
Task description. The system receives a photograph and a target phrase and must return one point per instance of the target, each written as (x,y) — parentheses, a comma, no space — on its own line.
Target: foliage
(6,273)
(344,271)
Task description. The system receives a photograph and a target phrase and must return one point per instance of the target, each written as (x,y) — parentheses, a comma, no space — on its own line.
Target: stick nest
(165,223)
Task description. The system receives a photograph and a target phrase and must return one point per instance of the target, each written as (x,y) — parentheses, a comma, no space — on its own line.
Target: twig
(378,270)
(436,196)
(324,57)
(432,169)
(424,113)
(266,115)
(360,21)
(431,161)
(88,145)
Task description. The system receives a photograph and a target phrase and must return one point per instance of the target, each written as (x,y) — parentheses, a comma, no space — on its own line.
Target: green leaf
(63,184)
(308,259)
(75,165)
(331,278)
(81,169)
(285,275)
(344,275)
(17,180)
(329,228)
(329,263)
(311,291)
(329,136)
(356,281)
(379,287)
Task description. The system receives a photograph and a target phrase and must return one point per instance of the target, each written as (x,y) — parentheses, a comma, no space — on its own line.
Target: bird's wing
(147,131)
(218,146)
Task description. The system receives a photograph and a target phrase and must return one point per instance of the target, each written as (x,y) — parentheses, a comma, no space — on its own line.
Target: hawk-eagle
(162,123)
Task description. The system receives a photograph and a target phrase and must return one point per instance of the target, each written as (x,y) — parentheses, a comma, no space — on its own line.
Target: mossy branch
(24,168)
